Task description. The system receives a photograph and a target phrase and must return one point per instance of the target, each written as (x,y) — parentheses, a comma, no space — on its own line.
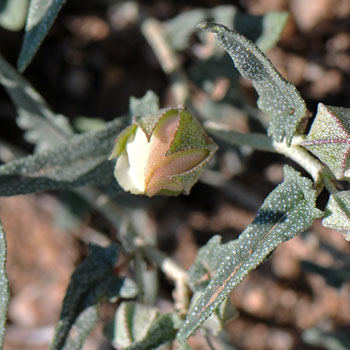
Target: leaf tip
(211,27)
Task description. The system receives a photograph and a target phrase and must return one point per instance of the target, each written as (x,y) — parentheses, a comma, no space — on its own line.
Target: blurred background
(94,58)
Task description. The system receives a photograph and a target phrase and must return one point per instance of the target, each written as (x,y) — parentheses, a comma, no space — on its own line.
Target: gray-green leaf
(288,210)
(82,327)
(278,98)
(207,261)
(337,213)
(144,106)
(329,138)
(91,283)
(140,327)
(81,160)
(41,15)
(43,127)
(263,30)
(4,285)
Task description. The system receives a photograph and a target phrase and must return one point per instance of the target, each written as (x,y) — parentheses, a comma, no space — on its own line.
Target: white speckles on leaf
(329,138)
(278,98)
(287,211)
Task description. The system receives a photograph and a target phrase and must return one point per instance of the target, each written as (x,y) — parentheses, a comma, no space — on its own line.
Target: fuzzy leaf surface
(4,285)
(207,261)
(263,30)
(82,327)
(288,210)
(91,283)
(81,160)
(140,327)
(329,138)
(142,107)
(43,128)
(223,314)
(41,15)
(337,213)
(278,98)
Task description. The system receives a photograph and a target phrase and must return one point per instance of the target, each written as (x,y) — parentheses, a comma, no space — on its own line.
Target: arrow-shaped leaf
(288,210)
(278,98)
(329,138)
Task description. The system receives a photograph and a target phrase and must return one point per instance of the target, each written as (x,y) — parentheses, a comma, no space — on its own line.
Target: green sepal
(189,178)
(329,138)
(150,122)
(189,134)
(121,140)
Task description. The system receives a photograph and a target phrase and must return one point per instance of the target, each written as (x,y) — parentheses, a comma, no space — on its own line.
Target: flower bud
(163,153)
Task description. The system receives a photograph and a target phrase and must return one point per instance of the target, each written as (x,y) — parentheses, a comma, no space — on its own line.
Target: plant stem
(173,271)
(302,157)
(264,143)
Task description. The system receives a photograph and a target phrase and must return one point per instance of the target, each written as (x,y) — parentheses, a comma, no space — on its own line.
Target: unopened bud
(163,153)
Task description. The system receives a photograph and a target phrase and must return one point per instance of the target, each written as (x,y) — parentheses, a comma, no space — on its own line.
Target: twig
(174,272)
(154,33)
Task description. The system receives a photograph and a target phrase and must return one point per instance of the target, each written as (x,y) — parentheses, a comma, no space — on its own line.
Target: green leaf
(278,98)
(81,160)
(223,314)
(82,327)
(263,30)
(207,261)
(91,283)
(43,127)
(337,213)
(41,15)
(13,14)
(288,210)
(140,327)
(329,138)
(4,284)
(142,107)
(273,24)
